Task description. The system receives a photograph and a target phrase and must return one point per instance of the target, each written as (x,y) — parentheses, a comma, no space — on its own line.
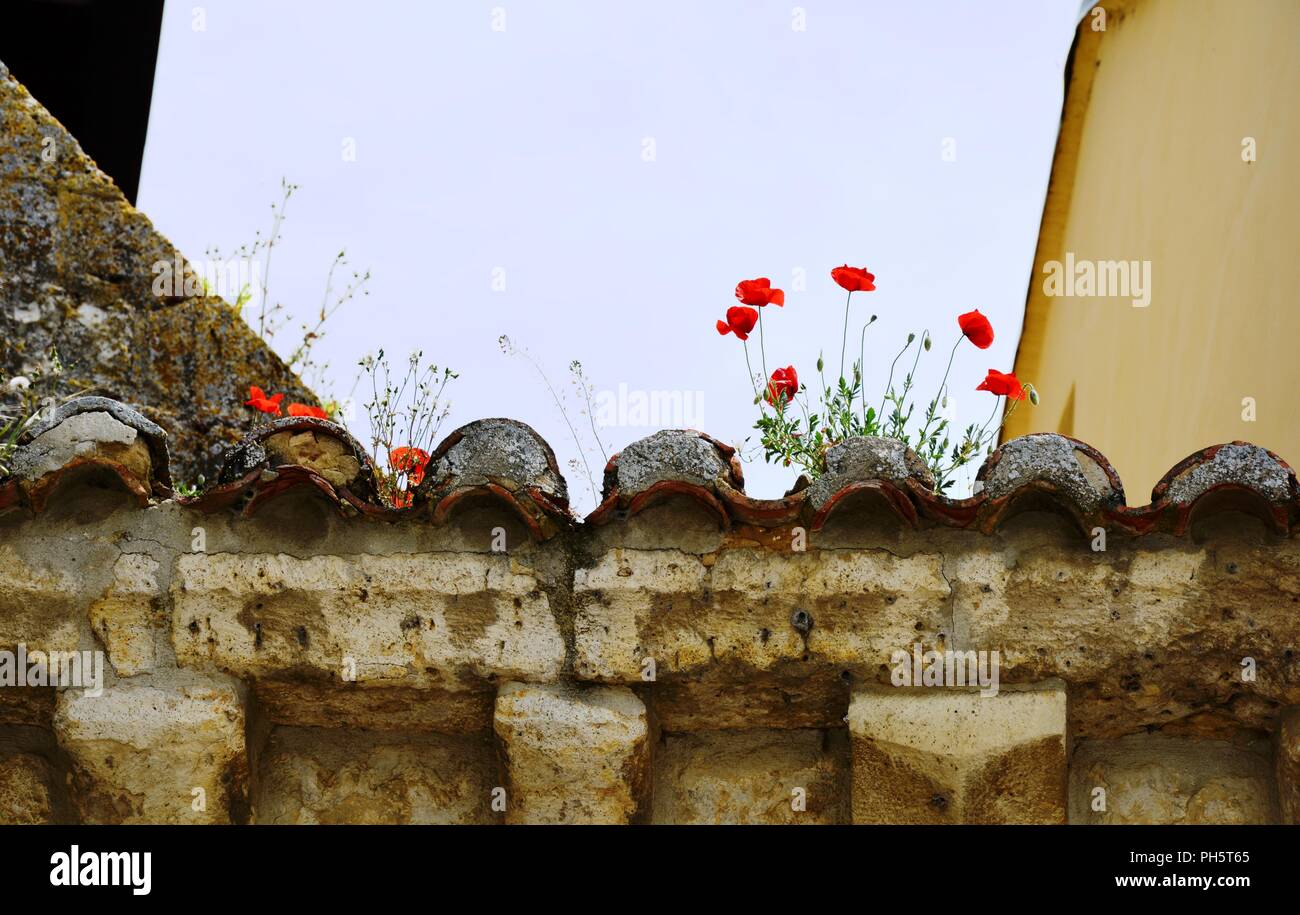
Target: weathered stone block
(39,604)
(1153,632)
(440,619)
(327,775)
(1149,778)
(945,756)
(128,617)
(168,748)
(376,708)
(741,606)
(572,755)
(26,790)
(1288,766)
(792,695)
(29,706)
(762,776)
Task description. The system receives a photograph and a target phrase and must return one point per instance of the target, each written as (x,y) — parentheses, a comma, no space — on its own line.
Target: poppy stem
(944,384)
(890,382)
(938,398)
(1005,416)
(980,439)
(749,369)
(762,347)
(862,370)
(844,337)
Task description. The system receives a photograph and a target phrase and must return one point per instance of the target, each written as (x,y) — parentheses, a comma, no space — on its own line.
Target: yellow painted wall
(1149,168)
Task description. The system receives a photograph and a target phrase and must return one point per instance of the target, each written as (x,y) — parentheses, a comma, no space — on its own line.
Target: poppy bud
(926,341)
(910,338)
(821,364)
(1033,394)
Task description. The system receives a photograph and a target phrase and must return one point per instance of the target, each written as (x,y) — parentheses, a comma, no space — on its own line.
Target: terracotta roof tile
(668,463)
(288,454)
(499,460)
(84,435)
(507,462)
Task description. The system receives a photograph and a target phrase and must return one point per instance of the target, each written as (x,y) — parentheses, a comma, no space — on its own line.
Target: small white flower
(19,383)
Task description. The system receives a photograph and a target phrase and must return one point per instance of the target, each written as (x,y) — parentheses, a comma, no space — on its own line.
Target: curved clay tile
(503,460)
(1047,468)
(674,462)
(764,512)
(10,495)
(85,434)
(291,453)
(1236,476)
(884,467)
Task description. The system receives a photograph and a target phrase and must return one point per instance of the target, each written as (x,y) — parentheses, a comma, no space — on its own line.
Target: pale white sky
(508,139)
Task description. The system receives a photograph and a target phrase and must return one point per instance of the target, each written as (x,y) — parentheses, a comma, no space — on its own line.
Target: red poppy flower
(977,328)
(854,279)
(1002,384)
(301,409)
(759,292)
(258,400)
(740,321)
(783,382)
(410,461)
(402,499)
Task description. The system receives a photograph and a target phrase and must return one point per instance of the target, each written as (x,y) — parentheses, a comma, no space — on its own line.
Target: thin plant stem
(980,438)
(862,371)
(750,370)
(889,384)
(591,416)
(1005,416)
(270,245)
(944,384)
(907,386)
(844,337)
(582,454)
(821,373)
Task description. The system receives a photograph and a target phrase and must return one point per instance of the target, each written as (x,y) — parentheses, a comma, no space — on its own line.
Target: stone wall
(79,276)
(285,649)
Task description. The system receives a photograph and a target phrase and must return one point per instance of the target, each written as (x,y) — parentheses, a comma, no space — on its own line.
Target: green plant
(585,389)
(190,490)
(794,430)
(405,416)
(271,316)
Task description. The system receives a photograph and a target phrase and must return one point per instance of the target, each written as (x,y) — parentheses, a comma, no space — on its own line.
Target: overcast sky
(618,168)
